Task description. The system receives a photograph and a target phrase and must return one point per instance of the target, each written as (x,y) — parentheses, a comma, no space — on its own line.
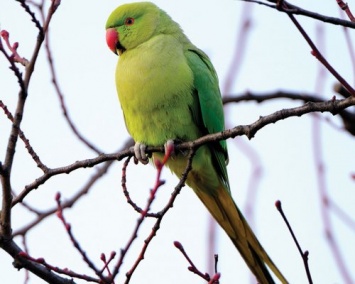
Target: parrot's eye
(129,22)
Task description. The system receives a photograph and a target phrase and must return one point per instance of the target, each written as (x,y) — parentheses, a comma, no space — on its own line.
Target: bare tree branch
(347,116)
(161,214)
(345,7)
(11,146)
(304,254)
(332,106)
(12,249)
(295,10)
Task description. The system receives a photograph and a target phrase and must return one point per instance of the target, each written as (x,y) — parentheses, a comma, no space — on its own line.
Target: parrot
(169,92)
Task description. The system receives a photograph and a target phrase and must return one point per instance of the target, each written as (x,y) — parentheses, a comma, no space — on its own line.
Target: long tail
(222,207)
(214,193)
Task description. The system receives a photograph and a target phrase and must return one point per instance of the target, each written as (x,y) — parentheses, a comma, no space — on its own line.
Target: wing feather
(207,111)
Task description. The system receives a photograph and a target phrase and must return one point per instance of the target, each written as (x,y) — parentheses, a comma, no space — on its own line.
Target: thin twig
(124,186)
(305,254)
(324,198)
(192,266)
(28,146)
(345,7)
(162,213)
(78,247)
(126,192)
(67,203)
(62,101)
(320,57)
(158,184)
(295,10)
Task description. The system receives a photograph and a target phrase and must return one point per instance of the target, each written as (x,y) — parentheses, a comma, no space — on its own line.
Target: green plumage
(168,90)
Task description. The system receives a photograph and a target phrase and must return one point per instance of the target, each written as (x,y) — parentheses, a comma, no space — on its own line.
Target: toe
(140,154)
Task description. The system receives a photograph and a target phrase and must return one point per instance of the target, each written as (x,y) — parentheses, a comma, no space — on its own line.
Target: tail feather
(227,214)
(205,179)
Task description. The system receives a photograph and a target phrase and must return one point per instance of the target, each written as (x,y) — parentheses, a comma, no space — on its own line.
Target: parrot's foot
(169,147)
(139,153)
(141,156)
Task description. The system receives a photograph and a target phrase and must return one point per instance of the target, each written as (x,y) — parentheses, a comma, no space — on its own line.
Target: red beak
(111,39)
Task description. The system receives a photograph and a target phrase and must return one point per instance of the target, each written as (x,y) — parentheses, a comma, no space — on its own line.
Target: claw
(169,147)
(139,153)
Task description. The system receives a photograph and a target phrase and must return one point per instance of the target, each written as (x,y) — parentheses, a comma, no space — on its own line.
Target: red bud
(178,245)
(278,204)
(57,196)
(4,34)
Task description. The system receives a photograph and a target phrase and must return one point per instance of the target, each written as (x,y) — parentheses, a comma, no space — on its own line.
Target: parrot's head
(132,24)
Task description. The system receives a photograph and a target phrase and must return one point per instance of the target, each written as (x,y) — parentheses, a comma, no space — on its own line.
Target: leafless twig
(295,10)
(344,6)
(304,254)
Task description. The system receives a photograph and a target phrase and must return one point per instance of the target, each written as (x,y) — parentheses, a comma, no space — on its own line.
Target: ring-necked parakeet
(168,90)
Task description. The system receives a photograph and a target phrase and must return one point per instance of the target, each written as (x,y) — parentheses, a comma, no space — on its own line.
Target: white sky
(276,58)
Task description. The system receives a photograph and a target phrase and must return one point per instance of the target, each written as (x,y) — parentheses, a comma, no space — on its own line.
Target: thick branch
(5,221)
(11,248)
(347,116)
(332,106)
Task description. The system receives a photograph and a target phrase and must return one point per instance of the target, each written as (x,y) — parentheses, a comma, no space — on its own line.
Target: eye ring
(129,21)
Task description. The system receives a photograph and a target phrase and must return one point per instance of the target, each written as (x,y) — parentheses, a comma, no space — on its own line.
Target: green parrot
(169,92)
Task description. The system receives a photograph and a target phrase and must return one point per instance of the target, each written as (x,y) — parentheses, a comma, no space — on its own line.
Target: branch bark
(295,10)
(333,106)
(19,262)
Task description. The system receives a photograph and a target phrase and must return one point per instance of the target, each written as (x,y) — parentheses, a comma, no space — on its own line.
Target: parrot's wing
(207,110)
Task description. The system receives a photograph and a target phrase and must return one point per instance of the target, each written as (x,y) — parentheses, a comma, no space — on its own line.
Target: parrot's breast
(155,85)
